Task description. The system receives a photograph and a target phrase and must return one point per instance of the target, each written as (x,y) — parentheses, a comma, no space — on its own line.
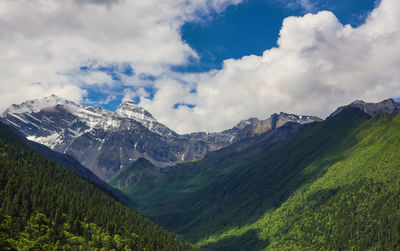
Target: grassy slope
(352,203)
(324,187)
(174,198)
(210,196)
(141,171)
(267,181)
(194,175)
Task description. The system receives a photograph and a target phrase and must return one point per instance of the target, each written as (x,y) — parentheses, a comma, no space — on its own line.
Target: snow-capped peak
(92,117)
(38,104)
(129,109)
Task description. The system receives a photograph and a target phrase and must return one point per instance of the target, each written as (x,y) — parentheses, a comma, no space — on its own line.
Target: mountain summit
(106,142)
(387,106)
(256,127)
(131,110)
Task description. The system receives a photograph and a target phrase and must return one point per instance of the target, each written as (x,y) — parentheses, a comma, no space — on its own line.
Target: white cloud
(43,41)
(129,94)
(319,65)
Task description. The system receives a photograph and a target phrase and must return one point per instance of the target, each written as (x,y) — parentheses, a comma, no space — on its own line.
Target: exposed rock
(107,142)
(257,127)
(386,106)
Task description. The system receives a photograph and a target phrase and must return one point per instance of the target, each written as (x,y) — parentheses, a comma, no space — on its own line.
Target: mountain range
(331,184)
(285,183)
(106,142)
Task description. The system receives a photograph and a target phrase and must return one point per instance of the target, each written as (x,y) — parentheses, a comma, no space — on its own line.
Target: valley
(291,185)
(215,125)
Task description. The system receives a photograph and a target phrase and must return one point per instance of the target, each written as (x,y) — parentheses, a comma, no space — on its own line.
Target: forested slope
(332,185)
(349,200)
(45,206)
(61,159)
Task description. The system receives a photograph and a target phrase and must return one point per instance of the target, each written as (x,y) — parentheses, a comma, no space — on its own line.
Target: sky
(201,65)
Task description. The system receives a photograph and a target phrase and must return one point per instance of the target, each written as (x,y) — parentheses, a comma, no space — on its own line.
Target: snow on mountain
(102,140)
(129,109)
(93,117)
(106,142)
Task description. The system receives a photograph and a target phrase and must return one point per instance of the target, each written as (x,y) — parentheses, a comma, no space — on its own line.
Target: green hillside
(174,196)
(140,171)
(44,206)
(333,185)
(352,201)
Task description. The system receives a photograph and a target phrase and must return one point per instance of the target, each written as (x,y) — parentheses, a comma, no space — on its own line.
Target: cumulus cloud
(45,42)
(319,64)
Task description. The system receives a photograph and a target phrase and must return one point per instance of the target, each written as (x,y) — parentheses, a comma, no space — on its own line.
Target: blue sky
(249,28)
(253,26)
(201,65)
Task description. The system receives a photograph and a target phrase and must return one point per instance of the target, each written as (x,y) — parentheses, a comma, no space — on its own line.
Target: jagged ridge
(106,142)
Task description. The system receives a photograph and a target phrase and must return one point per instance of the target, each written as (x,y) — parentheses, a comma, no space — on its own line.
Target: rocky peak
(131,110)
(245,123)
(386,106)
(283,118)
(256,127)
(389,101)
(358,102)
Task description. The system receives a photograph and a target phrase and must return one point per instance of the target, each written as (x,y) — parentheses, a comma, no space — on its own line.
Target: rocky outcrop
(386,106)
(257,127)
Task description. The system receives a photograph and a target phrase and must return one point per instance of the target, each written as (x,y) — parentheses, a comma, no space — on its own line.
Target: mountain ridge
(386,106)
(106,142)
(205,192)
(344,168)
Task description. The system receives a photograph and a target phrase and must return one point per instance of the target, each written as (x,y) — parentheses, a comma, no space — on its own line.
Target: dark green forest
(44,206)
(334,185)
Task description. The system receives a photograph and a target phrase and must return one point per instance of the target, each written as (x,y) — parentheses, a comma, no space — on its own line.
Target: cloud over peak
(46,42)
(318,65)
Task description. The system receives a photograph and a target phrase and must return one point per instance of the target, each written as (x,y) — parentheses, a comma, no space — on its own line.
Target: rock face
(386,106)
(106,142)
(257,127)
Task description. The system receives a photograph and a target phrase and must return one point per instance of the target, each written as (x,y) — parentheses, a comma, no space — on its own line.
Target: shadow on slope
(64,160)
(235,187)
(248,241)
(353,205)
